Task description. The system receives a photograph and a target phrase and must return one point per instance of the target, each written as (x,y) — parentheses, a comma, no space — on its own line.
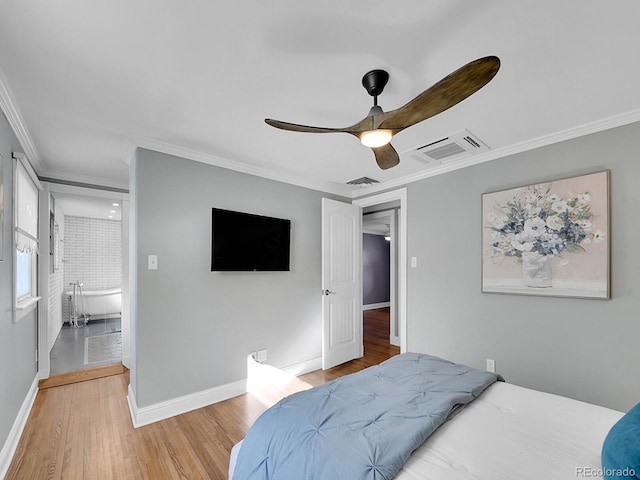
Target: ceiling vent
(363,181)
(453,147)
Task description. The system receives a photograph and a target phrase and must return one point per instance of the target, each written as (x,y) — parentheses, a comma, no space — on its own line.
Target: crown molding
(11,111)
(129,153)
(557,137)
(198,156)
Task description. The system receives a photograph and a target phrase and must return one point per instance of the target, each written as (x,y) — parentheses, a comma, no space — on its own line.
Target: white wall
(92,254)
(586,349)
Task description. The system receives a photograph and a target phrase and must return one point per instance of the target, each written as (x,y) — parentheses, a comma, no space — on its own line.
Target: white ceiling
(88,206)
(84,83)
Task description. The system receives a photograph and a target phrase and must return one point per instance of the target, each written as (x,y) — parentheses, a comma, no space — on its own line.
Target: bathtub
(98,303)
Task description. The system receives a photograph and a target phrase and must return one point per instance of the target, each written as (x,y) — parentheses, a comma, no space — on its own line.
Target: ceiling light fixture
(112,211)
(115,204)
(376,138)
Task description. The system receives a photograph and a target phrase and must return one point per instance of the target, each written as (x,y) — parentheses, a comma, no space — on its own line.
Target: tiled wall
(56,287)
(92,254)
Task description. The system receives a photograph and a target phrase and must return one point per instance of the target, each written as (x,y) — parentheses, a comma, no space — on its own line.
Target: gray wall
(17,340)
(585,349)
(195,327)
(375,269)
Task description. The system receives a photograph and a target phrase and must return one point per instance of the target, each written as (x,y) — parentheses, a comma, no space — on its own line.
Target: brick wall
(92,254)
(56,286)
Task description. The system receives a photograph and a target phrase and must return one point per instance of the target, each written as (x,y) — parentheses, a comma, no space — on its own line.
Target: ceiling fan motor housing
(375,81)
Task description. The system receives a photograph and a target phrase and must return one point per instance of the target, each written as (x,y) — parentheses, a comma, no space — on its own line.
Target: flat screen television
(247,242)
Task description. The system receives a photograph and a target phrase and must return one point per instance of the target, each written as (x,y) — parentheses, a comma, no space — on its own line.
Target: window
(26,238)
(24,280)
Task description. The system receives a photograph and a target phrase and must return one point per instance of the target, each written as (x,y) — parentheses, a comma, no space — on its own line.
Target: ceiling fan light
(376,138)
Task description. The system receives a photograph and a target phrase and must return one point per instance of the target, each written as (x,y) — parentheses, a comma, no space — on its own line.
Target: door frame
(51,188)
(391,196)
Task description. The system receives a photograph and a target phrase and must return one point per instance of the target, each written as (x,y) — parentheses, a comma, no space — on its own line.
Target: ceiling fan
(377,128)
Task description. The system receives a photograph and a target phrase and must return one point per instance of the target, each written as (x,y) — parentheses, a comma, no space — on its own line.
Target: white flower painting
(548,238)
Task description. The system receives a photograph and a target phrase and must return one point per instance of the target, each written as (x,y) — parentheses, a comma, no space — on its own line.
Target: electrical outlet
(491,365)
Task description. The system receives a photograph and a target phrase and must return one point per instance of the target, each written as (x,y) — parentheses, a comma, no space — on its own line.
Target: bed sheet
(514,432)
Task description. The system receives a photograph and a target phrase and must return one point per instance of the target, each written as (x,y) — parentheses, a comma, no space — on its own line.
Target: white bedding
(511,432)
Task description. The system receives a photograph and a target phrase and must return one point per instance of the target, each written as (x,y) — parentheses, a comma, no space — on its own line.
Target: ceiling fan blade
(449,91)
(386,156)
(294,127)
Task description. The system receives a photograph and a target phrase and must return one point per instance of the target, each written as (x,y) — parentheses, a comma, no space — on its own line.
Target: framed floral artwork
(548,239)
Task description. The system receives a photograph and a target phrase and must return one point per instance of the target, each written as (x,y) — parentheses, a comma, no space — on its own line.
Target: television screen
(247,242)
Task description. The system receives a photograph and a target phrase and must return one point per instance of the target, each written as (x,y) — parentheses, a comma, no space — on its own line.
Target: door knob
(328,292)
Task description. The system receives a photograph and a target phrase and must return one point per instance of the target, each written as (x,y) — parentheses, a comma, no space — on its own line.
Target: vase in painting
(536,269)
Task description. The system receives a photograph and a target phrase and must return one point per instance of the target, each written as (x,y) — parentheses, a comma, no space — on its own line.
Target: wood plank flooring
(84,431)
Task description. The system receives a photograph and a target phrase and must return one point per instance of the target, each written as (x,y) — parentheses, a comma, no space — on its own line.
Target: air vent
(446,150)
(363,181)
(456,146)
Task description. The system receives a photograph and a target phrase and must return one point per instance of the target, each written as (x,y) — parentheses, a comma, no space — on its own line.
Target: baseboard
(133,406)
(303,367)
(141,416)
(373,306)
(10,446)
(42,374)
(177,406)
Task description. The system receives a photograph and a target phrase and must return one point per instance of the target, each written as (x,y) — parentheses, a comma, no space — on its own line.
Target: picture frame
(548,239)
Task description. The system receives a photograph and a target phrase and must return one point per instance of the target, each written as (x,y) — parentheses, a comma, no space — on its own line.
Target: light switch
(153,262)
(414,262)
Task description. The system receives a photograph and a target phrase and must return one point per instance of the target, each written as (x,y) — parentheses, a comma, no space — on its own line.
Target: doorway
(379,264)
(85,283)
(341,263)
(83,325)
(394,201)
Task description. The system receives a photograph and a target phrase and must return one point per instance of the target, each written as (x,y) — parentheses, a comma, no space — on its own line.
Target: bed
(485,429)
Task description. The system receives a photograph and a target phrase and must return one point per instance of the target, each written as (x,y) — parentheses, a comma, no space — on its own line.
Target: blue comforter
(361,426)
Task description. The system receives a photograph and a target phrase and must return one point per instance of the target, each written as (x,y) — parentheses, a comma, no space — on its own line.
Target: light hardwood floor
(84,431)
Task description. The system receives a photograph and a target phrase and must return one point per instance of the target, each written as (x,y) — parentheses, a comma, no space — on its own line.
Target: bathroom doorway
(87,252)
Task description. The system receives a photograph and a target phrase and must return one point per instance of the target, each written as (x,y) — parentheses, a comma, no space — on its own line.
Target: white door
(341,282)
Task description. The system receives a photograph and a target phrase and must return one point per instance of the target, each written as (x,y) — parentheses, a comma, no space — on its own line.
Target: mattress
(512,432)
